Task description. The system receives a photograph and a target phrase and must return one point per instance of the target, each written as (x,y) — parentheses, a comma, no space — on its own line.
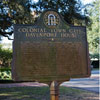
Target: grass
(42,93)
(77,94)
(24,93)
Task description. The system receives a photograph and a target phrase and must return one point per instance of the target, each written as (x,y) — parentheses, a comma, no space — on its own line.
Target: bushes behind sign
(5,57)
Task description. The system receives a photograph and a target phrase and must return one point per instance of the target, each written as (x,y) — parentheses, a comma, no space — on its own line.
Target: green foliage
(5,74)
(5,57)
(14,12)
(21,12)
(93,30)
(71,10)
(94,56)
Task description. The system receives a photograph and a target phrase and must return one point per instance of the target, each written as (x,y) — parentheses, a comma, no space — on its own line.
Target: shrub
(5,74)
(5,57)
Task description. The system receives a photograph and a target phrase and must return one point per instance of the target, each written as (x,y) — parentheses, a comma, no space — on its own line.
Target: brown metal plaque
(49,50)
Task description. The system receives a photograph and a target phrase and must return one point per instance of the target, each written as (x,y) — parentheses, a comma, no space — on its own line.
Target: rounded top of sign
(51,19)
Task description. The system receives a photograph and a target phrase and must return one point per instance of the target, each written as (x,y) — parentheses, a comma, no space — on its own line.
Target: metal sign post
(54,90)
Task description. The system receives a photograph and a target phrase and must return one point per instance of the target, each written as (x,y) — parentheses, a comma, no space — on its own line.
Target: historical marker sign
(50,50)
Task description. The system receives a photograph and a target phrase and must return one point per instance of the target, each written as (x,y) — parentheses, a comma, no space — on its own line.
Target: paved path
(90,84)
(33,84)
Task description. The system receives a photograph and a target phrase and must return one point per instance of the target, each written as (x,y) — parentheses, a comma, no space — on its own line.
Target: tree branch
(6,34)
